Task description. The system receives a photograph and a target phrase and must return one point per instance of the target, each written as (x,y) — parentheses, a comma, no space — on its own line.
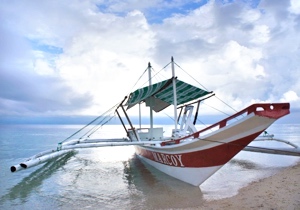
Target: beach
(280,191)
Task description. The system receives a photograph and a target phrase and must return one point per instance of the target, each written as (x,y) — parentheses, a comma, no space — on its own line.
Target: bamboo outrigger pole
(70,146)
(39,160)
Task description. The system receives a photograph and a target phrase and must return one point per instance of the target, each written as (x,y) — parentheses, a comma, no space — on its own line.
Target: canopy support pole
(196,114)
(140,115)
(151,103)
(131,126)
(174,94)
(121,120)
(128,120)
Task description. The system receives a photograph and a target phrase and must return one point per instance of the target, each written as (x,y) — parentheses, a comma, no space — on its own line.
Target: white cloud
(290,96)
(42,67)
(260,34)
(244,54)
(295,7)
(104,61)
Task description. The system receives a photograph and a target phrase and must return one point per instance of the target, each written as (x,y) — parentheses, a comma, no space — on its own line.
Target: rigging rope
(216,109)
(94,129)
(155,75)
(139,78)
(242,145)
(208,90)
(103,116)
(97,128)
(81,129)
(191,77)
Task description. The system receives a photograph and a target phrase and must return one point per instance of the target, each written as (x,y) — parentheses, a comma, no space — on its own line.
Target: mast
(174,93)
(151,109)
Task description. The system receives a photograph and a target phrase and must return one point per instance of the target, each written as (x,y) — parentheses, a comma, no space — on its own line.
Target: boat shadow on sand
(245,164)
(158,190)
(27,185)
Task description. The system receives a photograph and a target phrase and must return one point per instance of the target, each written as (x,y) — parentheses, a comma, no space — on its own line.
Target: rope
(191,77)
(155,75)
(242,145)
(81,129)
(208,90)
(216,109)
(139,78)
(103,116)
(100,126)
(93,130)
(226,104)
(158,75)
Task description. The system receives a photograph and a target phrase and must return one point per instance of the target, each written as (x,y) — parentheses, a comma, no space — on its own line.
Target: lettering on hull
(215,156)
(171,160)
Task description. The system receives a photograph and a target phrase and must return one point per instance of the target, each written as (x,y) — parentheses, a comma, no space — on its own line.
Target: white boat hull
(197,159)
(193,176)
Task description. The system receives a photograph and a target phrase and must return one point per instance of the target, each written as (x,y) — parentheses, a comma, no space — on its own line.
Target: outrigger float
(187,154)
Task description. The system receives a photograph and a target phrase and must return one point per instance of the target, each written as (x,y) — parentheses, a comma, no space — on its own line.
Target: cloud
(25,92)
(290,96)
(86,56)
(28,84)
(240,52)
(295,7)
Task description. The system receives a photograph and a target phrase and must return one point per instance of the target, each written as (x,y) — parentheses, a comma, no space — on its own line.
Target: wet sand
(280,191)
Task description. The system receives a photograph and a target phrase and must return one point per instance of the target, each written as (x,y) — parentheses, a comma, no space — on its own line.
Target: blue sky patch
(45,48)
(158,13)
(251,3)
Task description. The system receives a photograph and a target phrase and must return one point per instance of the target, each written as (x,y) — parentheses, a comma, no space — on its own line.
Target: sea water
(113,177)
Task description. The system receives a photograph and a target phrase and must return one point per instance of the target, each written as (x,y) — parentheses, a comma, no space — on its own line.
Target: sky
(81,57)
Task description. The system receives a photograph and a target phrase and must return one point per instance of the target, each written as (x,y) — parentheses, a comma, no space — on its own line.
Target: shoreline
(279,191)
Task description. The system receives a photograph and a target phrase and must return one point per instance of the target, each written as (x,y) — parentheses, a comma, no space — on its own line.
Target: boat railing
(272,110)
(257,109)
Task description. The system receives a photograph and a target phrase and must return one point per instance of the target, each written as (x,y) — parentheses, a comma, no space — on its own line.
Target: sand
(280,191)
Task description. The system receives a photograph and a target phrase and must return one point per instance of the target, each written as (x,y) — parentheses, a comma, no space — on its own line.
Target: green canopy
(161,94)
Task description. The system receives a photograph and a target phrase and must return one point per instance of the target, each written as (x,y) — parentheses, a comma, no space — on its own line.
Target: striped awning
(160,95)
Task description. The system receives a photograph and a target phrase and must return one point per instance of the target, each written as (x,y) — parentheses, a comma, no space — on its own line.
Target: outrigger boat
(187,154)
